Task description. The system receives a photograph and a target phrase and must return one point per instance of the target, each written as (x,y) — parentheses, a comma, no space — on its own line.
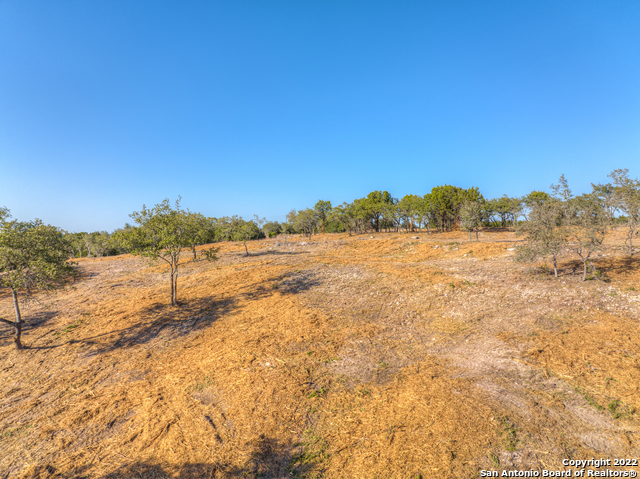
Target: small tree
(322,209)
(471,215)
(4,214)
(160,234)
(626,197)
(272,229)
(199,230)
(545,235)
(306,222)
(588,226)
(245,231)
(33,256)
(259,222)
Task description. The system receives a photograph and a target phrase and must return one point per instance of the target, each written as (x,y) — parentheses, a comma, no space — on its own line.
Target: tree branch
(12,323)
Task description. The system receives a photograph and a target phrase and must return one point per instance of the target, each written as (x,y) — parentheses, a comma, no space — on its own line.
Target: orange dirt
(364,356)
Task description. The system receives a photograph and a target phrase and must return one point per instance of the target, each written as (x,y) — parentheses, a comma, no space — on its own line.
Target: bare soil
(340,357)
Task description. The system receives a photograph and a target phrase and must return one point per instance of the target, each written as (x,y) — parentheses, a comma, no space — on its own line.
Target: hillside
(363,356)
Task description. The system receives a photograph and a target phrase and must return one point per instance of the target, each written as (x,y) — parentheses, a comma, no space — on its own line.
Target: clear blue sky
(247,107)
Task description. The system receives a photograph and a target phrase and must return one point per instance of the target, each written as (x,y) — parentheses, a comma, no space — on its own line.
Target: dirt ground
(384,356)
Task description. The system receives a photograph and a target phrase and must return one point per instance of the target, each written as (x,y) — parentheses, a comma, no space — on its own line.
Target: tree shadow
(297,282)
(270,459)
(30,323)
(276,253)
(161,323)
(605,268)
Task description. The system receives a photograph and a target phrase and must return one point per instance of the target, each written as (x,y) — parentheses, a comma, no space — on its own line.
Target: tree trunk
(555,265)
(175,287)
(247,251)
(172,288)
(18,324)
(194,253)
(477,239)
(584,273)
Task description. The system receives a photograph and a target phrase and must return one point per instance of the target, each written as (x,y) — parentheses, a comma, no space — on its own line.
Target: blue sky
(254,107)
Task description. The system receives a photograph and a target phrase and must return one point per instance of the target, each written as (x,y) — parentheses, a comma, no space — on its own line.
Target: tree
(160,234)
(588,225)
(508,209)
(33,256)
(199,230)
(626,197)
(245,231)
(471,215)
(272,229)
(4,214)
(545,235)
(547,226)
(445,203)
(322,209)
(306,221)
(374,206)
(259,222)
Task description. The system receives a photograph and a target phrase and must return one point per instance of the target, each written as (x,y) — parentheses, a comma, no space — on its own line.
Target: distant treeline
(444,208)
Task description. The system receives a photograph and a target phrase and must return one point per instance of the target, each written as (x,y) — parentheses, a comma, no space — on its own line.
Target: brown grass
(342,357)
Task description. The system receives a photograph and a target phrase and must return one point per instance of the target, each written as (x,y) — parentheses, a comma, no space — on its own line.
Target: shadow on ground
(270,459)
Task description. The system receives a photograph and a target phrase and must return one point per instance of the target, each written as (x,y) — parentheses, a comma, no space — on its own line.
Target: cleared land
(339,357)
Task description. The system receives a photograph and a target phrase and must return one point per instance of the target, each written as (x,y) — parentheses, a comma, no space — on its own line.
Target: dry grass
(385,356)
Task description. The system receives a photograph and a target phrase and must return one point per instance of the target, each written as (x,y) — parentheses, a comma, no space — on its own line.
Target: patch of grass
(69,328)
(510,433)
(314,451)
(590,399)
(383,365)
(619,410)
(330,360)
(200,385)
(468,283)
(7,433)
(317,393)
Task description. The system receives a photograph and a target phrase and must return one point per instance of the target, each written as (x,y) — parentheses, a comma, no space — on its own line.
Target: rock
(303,243)
(436,246)
(511,249)
(415,237)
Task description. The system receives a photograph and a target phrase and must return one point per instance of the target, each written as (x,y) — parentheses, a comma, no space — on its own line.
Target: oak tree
(33,256)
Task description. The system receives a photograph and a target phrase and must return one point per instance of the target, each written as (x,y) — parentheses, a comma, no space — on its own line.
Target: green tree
(322,209)
(626,198)
(306,222)
(5,214)
(374,206)
(272,229)
(471,216)
(507,209)
(545,235)
(588,221)
(33,256)
(160,234)
(245,231)
(199,230)
(547,228)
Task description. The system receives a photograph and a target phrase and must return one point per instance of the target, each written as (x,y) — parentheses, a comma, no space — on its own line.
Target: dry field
(340,357)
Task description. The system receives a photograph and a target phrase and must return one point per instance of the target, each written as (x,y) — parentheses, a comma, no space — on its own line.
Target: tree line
(35,256)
